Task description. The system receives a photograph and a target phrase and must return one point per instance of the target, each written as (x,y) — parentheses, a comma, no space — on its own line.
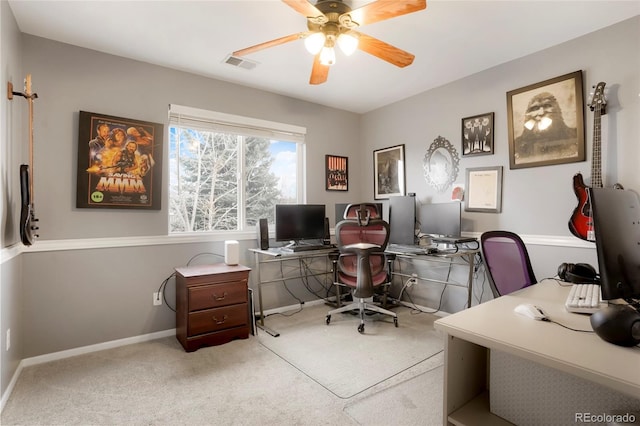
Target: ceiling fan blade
(385,9)
(384,51)
(272,43)
(319,72)
(304,8)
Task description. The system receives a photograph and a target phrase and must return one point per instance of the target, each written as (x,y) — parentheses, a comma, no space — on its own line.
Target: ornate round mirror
(440,164)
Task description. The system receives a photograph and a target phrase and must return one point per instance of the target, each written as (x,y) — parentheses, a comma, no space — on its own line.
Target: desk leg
(260,323)
(472,257)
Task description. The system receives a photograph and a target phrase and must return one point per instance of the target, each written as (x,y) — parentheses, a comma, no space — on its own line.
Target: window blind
(196,118)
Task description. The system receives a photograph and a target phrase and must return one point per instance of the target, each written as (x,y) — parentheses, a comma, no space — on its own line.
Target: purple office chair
(362,264)
(506,262)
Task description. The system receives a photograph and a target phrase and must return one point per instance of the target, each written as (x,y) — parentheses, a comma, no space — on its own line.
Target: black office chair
(362,264)
(507,263)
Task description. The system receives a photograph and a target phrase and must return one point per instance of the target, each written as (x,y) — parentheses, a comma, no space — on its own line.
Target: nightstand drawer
(213,296)
(217,319)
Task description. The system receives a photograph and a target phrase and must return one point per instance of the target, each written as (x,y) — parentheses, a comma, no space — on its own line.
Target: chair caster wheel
(395,321)
(328,319)
(361,328)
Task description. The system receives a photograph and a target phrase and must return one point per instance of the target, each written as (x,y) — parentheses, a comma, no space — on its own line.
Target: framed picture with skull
(546,122)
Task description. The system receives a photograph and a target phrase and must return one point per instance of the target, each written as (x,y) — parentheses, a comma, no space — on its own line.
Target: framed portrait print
(477,134)
(337,173)
(119,163)
(484,190)
(388,172)
(546,122)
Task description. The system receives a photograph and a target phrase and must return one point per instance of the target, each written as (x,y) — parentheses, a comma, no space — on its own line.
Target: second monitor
(440,219)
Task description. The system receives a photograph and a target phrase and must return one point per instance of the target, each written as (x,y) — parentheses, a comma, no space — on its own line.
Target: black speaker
(578,273)
(327,235)
(263,234)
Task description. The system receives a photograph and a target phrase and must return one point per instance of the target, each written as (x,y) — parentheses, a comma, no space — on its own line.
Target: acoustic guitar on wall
(28,219)
(581,222)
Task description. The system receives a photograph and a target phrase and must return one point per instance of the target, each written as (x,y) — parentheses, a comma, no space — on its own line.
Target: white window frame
(218,121)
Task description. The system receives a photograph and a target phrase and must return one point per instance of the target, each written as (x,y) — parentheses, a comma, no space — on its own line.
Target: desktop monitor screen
(616,221)
(440,219)
(295,222)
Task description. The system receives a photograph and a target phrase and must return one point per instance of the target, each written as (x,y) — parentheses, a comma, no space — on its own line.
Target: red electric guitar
(581,222)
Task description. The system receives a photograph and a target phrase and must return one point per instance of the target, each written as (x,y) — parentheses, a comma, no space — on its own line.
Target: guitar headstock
(598,99)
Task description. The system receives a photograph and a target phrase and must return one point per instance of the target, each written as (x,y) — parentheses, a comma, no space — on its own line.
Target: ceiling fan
(333,22)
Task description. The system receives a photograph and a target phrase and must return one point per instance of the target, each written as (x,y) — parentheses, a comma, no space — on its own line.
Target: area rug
(344,361)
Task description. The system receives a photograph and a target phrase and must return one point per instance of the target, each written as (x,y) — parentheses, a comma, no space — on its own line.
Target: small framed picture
(477,134)
(484,190)
(337,173)
(388,172)
(546,122)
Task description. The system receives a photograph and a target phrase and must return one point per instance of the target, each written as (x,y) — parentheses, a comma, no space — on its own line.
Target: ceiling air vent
(240,62)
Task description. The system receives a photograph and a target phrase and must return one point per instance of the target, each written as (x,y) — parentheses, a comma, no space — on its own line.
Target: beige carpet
(243,382)
(344,361)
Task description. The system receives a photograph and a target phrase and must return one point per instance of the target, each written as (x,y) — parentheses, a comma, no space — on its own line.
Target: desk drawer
(217,319)
(214,296)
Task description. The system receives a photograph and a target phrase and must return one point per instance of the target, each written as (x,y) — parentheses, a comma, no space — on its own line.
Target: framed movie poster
(119,163)
(336,173)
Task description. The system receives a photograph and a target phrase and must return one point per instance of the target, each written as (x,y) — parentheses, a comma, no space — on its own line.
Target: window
(226,171)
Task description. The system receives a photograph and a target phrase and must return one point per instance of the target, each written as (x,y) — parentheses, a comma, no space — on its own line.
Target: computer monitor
(402,219)
(616,221)
(297,222)
(440,219)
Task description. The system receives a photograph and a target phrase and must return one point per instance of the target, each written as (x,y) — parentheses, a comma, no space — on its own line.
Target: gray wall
(13,151)
(69,291)
(536,202)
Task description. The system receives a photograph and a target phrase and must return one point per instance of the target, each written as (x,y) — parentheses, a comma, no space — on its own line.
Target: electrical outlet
(8,338)
(157,298)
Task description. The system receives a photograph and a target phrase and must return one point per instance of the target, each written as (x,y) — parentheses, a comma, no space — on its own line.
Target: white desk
(277,255)
(471,333)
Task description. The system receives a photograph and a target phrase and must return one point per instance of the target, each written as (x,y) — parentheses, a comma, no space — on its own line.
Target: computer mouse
(530,311)
(617,324)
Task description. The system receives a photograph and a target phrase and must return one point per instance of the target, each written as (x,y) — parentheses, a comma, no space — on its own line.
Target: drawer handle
(218,322)
(216,297)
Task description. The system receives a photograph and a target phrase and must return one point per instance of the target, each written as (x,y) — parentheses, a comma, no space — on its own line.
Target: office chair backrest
(506,262)
(363,225)
(362,210)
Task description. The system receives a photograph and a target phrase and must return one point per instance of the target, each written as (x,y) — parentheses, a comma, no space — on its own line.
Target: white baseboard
(41,359)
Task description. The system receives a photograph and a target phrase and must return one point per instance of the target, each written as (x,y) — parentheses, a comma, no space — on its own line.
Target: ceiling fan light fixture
(348,43)
(327,56)
(314,42)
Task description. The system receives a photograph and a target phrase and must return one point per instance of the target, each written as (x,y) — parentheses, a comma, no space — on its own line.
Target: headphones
(578,273)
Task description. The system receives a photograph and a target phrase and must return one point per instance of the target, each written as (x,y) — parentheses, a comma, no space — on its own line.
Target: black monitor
(297,222)
(616,221)
(402,219)
(440,219)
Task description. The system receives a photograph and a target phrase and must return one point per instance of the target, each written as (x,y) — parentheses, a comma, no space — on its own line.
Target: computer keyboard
(304,247)
(407,249)
(584,299)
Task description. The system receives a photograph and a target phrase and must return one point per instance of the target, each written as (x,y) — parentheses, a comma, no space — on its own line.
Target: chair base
(362,306)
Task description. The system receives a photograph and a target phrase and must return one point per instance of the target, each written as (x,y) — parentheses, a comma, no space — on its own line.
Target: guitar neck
(596,162)
(30,96)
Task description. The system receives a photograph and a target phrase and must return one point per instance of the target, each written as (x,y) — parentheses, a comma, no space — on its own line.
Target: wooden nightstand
(211,305)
